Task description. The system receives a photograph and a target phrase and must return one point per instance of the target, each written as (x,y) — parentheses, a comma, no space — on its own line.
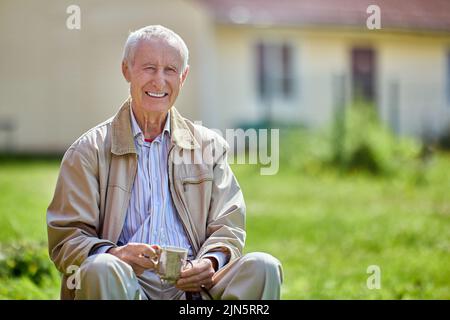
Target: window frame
(285,75)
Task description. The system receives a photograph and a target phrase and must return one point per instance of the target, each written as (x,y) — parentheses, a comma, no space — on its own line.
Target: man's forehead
(161,48)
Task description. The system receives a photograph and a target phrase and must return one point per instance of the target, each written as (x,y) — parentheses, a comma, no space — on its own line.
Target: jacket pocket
(197,197)
(195,181)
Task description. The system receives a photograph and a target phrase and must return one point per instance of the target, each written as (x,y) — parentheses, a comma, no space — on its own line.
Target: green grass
(26,188)
(325,228)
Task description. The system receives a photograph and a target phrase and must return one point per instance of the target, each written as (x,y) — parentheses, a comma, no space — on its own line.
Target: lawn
(26,188)
(326,228)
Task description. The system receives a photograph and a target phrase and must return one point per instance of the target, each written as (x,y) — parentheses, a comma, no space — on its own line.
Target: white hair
(154,31)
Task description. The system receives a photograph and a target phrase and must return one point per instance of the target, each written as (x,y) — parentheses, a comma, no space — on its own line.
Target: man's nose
(158,80)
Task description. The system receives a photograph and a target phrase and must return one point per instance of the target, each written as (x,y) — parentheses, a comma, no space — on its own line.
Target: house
(251,60)
(299,60)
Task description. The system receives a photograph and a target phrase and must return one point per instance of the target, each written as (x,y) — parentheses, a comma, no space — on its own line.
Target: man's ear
(184,75)
(126,70)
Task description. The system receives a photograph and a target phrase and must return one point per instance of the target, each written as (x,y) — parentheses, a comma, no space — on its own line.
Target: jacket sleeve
(73,214)
(226,219)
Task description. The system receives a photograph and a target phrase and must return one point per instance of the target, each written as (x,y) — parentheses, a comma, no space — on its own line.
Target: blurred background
(364,120)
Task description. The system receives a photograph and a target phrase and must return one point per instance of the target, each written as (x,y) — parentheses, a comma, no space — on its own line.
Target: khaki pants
(254,276)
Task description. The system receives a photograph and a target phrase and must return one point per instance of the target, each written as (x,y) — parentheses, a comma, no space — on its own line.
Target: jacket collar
(122,141)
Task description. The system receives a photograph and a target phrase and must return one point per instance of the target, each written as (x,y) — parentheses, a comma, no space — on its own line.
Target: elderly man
(121,196)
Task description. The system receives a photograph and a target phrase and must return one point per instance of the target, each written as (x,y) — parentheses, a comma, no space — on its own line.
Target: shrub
(25,259)
(444,139)
(303,150)
(368,145)
(355,142)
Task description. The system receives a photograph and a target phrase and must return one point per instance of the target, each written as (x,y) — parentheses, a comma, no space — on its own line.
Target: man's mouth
(156,94)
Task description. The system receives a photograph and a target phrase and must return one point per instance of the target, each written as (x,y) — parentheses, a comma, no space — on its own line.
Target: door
(363,74)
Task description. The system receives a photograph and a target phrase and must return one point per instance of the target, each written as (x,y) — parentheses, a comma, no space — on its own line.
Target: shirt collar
(137,130)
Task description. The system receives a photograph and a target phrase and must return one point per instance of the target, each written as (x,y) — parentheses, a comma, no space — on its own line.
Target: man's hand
(139,256)
(193,277)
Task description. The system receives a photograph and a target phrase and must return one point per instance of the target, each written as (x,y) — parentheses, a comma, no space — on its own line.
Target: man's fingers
(197,268)
(196,287)
(157,249)
(200,273)
(206,274)
(189,289)
(142,262)
(143,248)
(202,278)
(149,252)
(143,255)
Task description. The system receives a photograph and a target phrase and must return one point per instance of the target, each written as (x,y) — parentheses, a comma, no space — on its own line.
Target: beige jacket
(95,182)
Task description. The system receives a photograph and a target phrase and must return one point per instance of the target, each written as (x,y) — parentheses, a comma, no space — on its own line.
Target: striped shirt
(151,215)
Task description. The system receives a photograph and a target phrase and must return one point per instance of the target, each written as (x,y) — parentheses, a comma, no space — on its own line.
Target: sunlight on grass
(25,192)
(326,228)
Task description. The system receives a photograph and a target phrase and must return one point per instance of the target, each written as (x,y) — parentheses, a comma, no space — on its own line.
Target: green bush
(370,146)
(356,141)
(25,259)
(444,139)
(304,150)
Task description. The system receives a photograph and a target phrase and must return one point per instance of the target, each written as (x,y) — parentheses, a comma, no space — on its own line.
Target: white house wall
(417,62)
(56,83)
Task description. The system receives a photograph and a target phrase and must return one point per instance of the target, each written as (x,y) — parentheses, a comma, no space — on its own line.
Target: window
(275,70)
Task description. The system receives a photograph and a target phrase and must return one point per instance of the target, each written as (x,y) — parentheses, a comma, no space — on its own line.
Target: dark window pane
(363,73)
(286,55)
(448,77)
(274,74)
(261,69)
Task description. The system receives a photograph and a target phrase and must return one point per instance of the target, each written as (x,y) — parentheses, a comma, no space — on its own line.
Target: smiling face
(155,75)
